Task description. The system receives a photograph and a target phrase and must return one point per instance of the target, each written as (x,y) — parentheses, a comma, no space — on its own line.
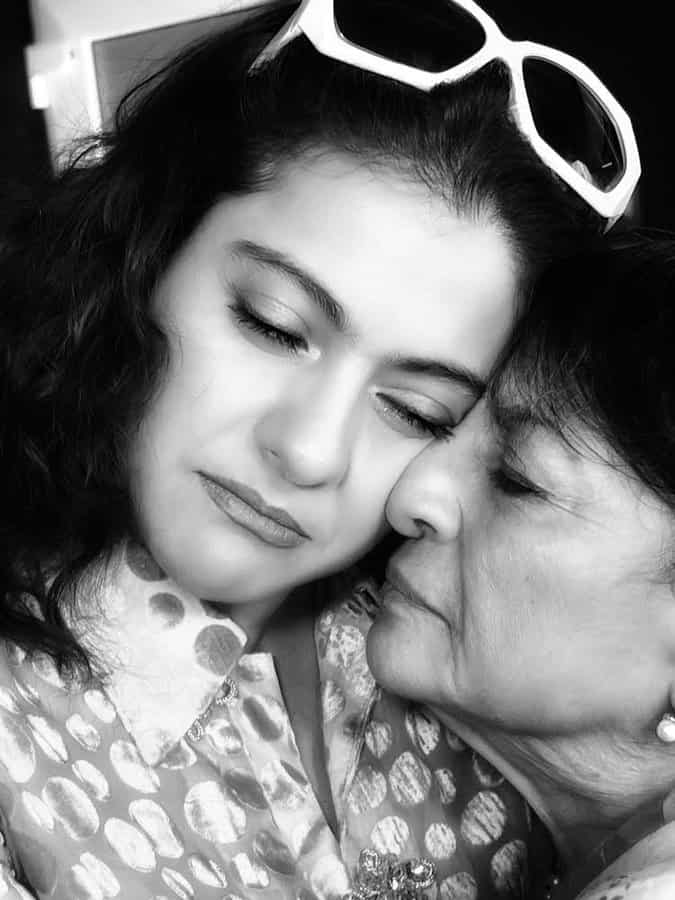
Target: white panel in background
(88,53)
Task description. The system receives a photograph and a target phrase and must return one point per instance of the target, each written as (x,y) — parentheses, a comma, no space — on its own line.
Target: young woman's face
(539,598)
(322,331)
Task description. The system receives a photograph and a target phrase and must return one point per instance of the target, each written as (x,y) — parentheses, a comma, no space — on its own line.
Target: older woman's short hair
(595,353)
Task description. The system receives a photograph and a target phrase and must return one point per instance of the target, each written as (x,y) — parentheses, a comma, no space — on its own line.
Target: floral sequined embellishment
(384,877)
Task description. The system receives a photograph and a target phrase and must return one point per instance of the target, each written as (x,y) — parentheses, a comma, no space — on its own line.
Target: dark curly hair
(593,355)
(81,354)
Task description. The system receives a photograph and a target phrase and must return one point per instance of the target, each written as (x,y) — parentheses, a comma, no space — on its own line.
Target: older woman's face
(538,597)
(321,331)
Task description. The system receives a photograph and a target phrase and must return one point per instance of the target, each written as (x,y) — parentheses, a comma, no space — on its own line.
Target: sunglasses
(575,125)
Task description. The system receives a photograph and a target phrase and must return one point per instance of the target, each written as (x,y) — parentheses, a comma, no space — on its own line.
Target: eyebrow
(516,423)
(320,295)
(457,374)
(510,419)
(337,316)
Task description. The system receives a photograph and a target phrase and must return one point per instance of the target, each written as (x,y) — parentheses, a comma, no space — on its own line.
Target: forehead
(529,391)
(535,433)
(388,250)
(512,410)
(572,457)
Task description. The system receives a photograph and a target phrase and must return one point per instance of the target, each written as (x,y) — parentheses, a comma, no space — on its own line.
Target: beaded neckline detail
(385,877)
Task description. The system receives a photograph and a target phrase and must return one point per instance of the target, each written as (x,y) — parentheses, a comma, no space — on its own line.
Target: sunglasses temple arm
(288,33)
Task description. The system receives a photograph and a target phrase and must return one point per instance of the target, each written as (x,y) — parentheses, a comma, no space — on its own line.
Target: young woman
(226,331)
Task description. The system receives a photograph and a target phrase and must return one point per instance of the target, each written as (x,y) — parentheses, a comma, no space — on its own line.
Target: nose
(425,501)
(309,437)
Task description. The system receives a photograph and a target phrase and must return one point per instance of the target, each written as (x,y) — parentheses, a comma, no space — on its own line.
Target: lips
(398,589)
(246,507)
(396,581)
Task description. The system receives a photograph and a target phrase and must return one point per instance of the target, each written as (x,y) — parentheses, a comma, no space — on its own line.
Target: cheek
(375,469)
(379,460)
(505,583)
(525,596)
(203,389)
(361,515)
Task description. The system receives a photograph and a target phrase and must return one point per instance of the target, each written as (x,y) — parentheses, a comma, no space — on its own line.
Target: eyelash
(248,319)
(293,343)
(437,430)
(513,484)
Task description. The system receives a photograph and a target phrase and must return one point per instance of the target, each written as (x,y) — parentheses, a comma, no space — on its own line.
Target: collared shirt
(178,775)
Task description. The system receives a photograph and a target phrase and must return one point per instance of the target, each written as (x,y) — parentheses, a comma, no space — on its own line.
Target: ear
(669,799)
(665,729)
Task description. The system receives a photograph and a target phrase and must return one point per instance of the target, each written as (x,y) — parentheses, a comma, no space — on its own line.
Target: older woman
(533,607)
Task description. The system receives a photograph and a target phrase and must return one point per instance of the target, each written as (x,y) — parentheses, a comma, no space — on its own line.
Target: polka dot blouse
(178,775)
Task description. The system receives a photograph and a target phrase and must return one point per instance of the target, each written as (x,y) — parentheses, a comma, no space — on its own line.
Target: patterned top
(178,775)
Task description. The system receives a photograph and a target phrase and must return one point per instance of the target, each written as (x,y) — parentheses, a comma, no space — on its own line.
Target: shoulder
(655,882)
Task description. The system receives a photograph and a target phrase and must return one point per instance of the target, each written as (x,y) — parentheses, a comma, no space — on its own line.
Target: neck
(263,619)
(582,787)
(253,616)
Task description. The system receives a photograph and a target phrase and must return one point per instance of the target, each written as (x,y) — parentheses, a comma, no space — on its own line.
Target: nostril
(421,526)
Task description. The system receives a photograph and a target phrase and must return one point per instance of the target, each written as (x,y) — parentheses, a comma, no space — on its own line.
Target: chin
(387,658)
(406,657)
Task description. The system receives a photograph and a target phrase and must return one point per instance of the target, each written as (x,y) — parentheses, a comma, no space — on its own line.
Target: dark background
(629,45)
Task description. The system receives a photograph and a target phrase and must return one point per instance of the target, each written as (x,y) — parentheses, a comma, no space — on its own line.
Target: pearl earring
(665,730)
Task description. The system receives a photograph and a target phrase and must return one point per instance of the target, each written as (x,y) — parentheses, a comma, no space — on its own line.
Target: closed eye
(514,484)
(421,425)
(245,316)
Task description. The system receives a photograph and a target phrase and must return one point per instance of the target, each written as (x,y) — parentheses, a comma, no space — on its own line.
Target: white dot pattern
(108,796)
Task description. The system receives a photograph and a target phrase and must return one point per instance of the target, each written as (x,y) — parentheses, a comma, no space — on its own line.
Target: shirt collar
(165,653)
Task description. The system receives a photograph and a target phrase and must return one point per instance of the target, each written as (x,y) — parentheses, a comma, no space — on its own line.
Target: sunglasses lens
(574,123)
(438,33)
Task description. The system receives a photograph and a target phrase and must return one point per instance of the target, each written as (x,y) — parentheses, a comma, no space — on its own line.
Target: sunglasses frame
(316,20)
